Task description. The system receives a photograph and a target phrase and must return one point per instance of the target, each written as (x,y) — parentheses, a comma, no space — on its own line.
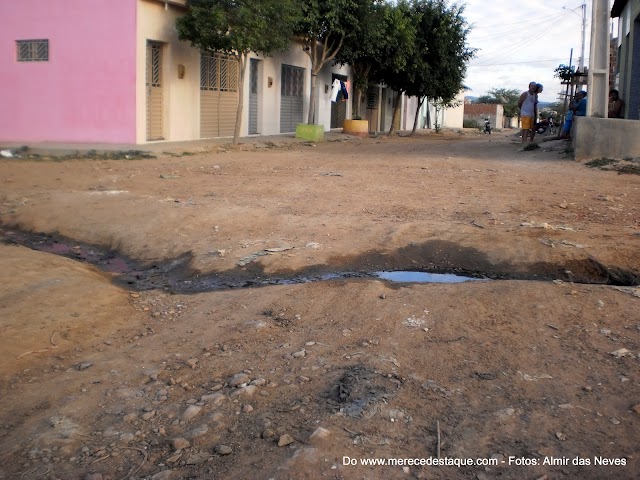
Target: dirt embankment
(148,367)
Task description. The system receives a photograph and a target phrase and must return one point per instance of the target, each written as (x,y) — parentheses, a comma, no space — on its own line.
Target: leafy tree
(564,72)
(238,27)
(437,72)
(507,97)
(398,52)
(322,29)
(363,49)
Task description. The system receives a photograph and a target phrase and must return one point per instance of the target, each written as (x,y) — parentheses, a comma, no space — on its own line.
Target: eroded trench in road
(434,261)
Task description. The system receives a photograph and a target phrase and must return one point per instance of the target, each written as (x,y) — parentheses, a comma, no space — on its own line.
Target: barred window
(33,50)
(218,72)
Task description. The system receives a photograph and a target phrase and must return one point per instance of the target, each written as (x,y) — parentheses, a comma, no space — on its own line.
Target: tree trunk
(311,119)
(243,60)
(396,112)
(415,120)
(357,100)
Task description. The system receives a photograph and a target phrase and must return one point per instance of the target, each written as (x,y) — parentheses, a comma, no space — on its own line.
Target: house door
(387,109)
(291,101)
(254,84)
(373,107)
(339,108)
(154,91)
(218,95)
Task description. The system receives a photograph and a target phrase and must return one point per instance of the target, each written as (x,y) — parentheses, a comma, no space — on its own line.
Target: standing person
(527,103)
(616,105)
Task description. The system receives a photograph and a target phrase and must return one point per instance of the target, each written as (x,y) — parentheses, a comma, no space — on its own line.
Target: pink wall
(86,91)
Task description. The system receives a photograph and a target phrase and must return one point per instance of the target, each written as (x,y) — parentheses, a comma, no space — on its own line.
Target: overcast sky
(520,41)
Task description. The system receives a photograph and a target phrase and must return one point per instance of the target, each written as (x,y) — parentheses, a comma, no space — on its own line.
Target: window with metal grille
(33,50)
(218,72)
(292,81)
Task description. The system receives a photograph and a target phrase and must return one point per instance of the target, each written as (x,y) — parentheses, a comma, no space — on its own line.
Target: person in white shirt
(528,105)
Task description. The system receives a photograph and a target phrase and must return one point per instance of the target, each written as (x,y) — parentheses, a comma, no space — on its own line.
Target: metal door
(339,108)
(291,102)
(154,91)
(218,95)
(254,83)
(372,107)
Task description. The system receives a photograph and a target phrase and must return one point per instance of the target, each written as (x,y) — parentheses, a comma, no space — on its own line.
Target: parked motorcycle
(544,125)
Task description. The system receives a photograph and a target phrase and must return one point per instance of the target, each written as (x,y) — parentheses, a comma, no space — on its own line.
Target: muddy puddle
(439,262)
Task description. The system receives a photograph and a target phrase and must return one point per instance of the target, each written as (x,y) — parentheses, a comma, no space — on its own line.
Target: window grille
(218,72)
(33,50)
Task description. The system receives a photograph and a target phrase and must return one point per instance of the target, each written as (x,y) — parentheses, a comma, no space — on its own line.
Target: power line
(519,63)
(513,23)
(511,49)
(531,26)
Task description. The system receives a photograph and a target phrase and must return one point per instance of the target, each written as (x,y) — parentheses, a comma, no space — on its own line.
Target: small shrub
(600,162)
(630,169)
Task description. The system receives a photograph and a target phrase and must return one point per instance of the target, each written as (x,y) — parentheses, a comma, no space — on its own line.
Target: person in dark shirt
(616,105)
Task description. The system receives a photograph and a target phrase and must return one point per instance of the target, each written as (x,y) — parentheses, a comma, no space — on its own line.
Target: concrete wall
(453,117)
(447,118)
(269,97)
(629,58)
(181,96)
(85,92)
(606,137)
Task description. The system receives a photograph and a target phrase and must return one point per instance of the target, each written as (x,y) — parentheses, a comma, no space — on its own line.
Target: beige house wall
(181,96)
(453,117)
(615,138)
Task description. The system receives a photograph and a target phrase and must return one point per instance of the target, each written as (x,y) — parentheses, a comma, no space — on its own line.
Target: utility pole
(584,29)
(597,104)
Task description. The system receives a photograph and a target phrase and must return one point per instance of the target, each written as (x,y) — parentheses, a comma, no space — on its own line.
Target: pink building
(68,71)
(114,71)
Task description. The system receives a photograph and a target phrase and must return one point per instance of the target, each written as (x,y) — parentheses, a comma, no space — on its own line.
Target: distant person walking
(616,105)
(528,105)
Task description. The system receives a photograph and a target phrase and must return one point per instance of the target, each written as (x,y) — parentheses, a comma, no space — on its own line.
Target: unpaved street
(219,315)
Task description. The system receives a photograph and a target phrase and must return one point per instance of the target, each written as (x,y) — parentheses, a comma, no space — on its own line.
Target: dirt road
(219,315)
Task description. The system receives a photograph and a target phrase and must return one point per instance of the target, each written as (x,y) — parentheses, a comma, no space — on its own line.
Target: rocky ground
(219,315)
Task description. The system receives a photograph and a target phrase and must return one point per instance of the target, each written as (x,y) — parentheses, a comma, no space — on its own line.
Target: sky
(521,41)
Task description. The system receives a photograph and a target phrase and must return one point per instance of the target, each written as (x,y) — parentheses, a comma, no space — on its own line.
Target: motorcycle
(487,126)
(542,126)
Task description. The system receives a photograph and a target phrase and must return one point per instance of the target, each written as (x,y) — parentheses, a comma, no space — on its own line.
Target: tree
(426,53)
(507,97)
(238,27)
(437,72)
(363,49)
(398,52)
(322,29)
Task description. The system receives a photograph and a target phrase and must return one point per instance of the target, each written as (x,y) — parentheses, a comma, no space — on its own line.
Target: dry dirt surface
(218,315)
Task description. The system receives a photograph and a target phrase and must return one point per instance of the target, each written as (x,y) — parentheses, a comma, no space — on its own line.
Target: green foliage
(507,97)
(363,47)
(442,52)
(322,29)
(398,46)
(238,26)
(564,72)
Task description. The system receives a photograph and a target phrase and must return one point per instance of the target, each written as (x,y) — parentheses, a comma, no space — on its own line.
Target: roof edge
(618,7)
